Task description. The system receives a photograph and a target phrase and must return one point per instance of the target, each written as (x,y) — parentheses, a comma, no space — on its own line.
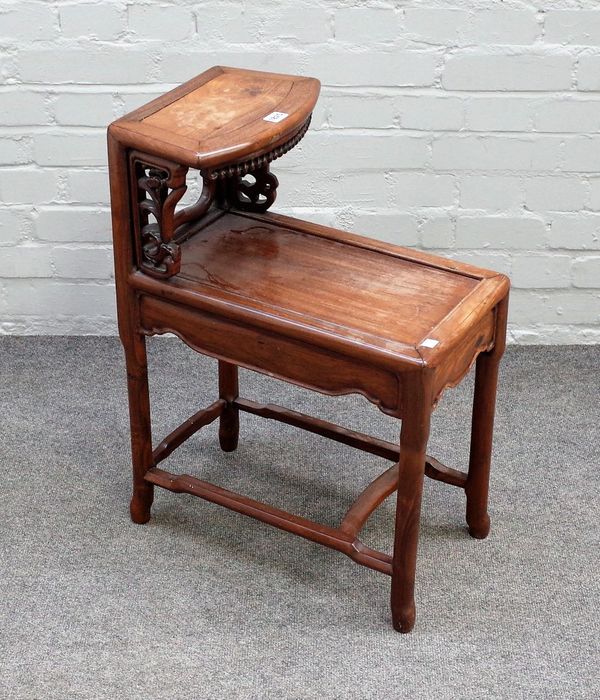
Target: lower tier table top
(360,291)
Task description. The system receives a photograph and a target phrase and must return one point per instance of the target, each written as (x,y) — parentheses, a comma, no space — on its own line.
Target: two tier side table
(334,312)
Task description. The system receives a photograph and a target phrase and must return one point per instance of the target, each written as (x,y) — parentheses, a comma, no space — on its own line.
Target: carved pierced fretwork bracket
(255,191)
(157,186)
(160,191)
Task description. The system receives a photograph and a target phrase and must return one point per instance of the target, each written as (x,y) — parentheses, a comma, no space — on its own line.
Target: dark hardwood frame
(405,384)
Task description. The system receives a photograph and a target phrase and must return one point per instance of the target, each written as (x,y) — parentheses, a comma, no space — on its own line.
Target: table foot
(141,504)
(480,528)
(403,619)
(228,432)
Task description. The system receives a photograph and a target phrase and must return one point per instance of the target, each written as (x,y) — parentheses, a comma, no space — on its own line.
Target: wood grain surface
(218,117)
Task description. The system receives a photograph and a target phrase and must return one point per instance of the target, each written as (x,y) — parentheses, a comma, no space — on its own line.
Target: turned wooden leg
(141,437)
(482,430)
(229,423)
(413,447)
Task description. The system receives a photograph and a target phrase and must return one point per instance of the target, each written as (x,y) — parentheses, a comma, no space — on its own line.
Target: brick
(15,150)
(554,335)
(571,307)
(568,115)
(88,186)
(60,325)
(362,189)
(384,24)
(27,21)
(422,190)
(498,262)
(320,115)
(8,67)
(361,111)
(92,20)
(578,27)
(500,232)
(11,226)
(307,24)
(546,152)
(540,271)
(177,66)
(436,26)
(427,113)
(494,193)
(438,232)
(319,189)
(71,148)
(70,224)
(499,113)
(503,26)
(83,262)
(586,272)
(26,261)
(588,73)
(397,68)
(19,107)
(28,186)
(581,154)
(575,231)
(392,227)
(515,72)
(114,65)
(325,217)
(594,185)
(84,109)
(228,23)
(47,297)
(554,194)
(357,152)
(159,22)
(454,152)
(344,218)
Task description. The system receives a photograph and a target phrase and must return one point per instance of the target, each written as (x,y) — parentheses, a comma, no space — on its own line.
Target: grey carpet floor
(205,603)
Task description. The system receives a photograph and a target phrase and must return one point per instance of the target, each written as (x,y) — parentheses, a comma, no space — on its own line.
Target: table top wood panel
(387,299)
(218,118)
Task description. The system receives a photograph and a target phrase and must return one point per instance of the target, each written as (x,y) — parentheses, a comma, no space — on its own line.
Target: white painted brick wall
(471,129)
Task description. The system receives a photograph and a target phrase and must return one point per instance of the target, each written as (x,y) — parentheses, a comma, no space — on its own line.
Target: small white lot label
(429,343)
(275,117)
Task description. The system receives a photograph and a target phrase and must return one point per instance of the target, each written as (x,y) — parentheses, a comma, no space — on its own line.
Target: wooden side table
(327,310)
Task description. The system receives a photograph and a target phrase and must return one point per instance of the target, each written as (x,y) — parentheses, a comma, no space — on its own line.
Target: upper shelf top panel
(222,117)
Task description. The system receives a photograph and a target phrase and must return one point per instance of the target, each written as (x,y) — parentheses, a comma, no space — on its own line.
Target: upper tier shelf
(223,117)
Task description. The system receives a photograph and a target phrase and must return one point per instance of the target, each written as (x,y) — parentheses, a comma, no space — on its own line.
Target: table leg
(141,437)
(413,448)
(482,430)
(229,423)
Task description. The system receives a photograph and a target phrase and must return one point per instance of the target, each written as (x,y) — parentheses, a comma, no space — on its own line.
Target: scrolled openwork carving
(160,257)
(157,186)
(255,191)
